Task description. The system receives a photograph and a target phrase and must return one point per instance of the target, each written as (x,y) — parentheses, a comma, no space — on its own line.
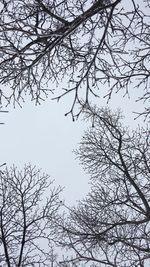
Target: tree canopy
(111,226)
(86,44)
(28,208)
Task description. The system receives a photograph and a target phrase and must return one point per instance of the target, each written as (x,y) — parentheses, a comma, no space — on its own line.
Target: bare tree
(28,209)
(111,226)
(89,43)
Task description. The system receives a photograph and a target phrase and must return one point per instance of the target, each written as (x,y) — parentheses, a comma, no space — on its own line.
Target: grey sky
(43,136)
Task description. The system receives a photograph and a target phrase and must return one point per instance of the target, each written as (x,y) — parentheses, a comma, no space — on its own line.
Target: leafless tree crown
(27,218)
(111,226)
(89,43)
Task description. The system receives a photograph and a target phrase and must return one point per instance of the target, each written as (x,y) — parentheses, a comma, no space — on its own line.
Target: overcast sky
(43,136)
